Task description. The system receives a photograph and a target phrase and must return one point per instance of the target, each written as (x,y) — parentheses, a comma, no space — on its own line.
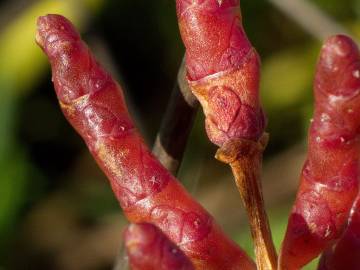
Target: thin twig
(173,135)
(310,17)
(245,159)
(178,120)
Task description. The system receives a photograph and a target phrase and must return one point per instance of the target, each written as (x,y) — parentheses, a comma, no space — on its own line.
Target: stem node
(245,159)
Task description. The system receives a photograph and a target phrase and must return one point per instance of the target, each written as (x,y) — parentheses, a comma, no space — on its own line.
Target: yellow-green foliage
(21,60)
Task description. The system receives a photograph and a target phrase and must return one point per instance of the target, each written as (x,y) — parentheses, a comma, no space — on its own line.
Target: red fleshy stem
(330,178)
(149,249)
(93,103)
(346,253)
(213,35)
(223,72)
(223,68)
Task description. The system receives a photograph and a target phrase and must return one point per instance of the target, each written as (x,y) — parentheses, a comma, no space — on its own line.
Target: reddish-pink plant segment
(222,68)
(346,253)
(223,71)
(93,103)
(149,249)
(330,177)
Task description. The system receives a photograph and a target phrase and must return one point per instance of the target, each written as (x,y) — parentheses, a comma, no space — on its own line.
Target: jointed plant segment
(330,177)
(222,68)
(346,253)
(93,103)
(170,229)
(149,249)
(223,72)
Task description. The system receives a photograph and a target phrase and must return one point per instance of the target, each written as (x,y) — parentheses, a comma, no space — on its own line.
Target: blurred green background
(56,208)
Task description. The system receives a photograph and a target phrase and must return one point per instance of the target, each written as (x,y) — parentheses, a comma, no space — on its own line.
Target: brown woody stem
(176,125)
(245,159)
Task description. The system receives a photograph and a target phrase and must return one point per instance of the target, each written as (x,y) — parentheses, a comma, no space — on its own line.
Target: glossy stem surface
(149,249)
(94,105)
(346,253)
(223,70)
(329,181)
(171,140)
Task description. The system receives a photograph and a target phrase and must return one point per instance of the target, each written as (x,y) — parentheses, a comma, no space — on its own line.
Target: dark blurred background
(56,208)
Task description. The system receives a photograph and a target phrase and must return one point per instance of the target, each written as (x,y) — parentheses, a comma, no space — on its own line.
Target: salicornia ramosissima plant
(330,177)
(93,103)
(149,249)
(170,229)
(223,70)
